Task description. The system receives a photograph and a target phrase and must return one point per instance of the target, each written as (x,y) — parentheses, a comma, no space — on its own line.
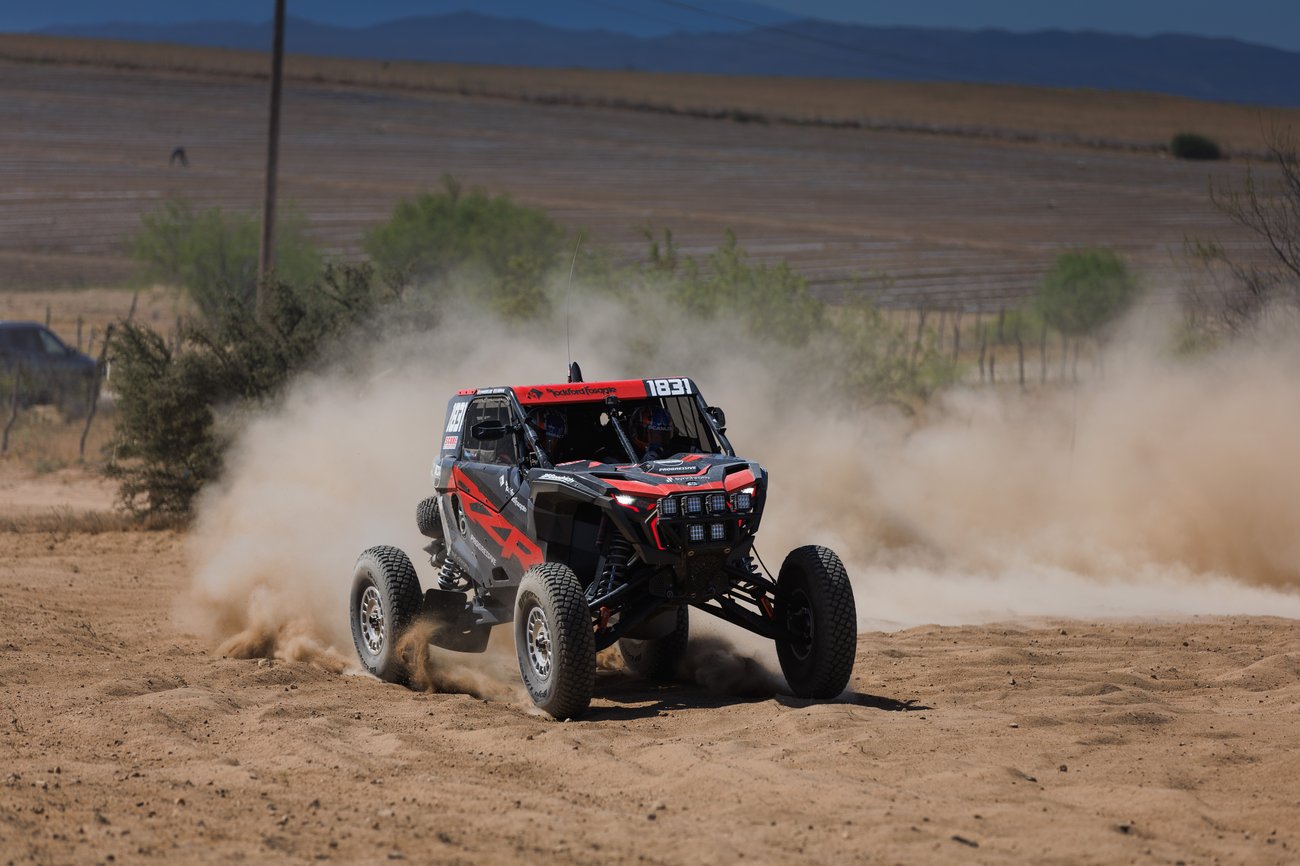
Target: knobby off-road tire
(385,601)
(656,659)
(427,520)
(554,640)
(814,606)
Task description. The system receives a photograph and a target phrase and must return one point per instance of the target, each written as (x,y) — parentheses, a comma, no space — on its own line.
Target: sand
(124,739)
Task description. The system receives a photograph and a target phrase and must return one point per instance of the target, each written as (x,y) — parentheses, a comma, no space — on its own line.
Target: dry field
(916,219)
(124,739)
(126,736)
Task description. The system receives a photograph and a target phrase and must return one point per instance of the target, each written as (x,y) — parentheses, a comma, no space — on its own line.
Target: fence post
(956,335)
(13,408)
(79,323)
(1042,354)
(93,397)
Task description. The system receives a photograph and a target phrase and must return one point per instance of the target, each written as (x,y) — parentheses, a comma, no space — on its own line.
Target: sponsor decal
(675,467)
(449,443)
(483,550)
(514,544)
(456,419)
(668,387)
(517,504)
(580,390)
(483,391)
(436,472)
(551,476)
(534,393)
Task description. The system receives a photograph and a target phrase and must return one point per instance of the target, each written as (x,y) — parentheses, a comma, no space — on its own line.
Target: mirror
(489,431)
(719,418)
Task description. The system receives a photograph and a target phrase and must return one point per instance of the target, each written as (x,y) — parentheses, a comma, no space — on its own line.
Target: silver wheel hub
(538,635)
(371,617)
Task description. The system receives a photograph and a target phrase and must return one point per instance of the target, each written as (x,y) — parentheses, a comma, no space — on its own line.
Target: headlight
(717,532)
(695,532)
(693,504)
(742,501)
(717,502)
(668,507)
(633,502)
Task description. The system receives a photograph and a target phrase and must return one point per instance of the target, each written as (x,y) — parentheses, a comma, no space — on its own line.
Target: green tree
(212,254)
(504,251)
(1086,291)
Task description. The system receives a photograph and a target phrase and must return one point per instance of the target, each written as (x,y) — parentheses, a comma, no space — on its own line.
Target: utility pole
(266,253)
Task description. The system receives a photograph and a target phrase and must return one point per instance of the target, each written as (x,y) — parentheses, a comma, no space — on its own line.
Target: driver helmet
(652,429)
(551,427)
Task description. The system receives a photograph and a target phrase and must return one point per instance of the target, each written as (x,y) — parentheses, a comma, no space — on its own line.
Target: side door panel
(489,485)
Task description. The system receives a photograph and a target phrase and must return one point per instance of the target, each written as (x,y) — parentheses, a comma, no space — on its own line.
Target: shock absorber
(452,577)
(617,553)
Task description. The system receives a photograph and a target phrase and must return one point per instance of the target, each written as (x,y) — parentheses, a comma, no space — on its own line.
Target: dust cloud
(1166,488)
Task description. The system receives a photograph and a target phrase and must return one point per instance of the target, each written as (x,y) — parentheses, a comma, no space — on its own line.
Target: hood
(678,474)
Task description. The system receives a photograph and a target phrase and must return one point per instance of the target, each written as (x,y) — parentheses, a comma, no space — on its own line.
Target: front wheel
(385,601)
(554,640)
(818,621)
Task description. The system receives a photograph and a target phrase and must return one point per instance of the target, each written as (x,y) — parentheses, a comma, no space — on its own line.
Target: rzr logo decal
(514,544)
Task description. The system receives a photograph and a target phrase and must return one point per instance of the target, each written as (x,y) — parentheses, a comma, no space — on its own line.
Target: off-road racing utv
(552,510)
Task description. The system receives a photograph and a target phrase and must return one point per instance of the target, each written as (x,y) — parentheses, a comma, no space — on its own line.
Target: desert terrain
(127,740)
(1079,614)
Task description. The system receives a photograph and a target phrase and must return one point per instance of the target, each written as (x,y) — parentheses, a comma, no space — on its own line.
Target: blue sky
(1268,22)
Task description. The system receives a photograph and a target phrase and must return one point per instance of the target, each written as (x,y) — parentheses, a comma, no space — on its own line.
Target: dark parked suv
(51,371)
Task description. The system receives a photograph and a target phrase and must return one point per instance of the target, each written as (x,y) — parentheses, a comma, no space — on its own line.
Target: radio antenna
(568,290)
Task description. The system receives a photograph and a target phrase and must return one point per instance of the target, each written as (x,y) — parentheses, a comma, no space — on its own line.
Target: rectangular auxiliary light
(717,532)
(693,504)
(696,532)
(742,501)
(668,507)
(717,502)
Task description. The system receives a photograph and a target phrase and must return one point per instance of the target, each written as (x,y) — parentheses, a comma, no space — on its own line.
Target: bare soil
(911,218)
(125,739)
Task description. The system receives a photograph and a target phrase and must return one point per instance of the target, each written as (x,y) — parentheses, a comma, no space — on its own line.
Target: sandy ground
(25,492)
(124,739)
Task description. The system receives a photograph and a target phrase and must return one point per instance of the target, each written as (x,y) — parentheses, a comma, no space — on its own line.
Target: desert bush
(1193,145)
(1085,292)
(168,397)
(773,302)
(212,254)
(501,252)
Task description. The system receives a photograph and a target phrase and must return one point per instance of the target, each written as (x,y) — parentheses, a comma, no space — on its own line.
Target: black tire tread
(426,518)
(575,665)
(830,580)
(399,585)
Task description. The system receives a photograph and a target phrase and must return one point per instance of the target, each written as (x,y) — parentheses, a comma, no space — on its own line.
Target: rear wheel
(815,611)
(554,640)
(427,520)
(385,601)
(656,659)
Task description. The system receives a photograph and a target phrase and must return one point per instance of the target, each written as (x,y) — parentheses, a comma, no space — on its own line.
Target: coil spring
(616,557)
(452,577)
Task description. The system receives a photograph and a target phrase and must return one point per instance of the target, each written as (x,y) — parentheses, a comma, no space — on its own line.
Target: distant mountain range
(1192,66)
